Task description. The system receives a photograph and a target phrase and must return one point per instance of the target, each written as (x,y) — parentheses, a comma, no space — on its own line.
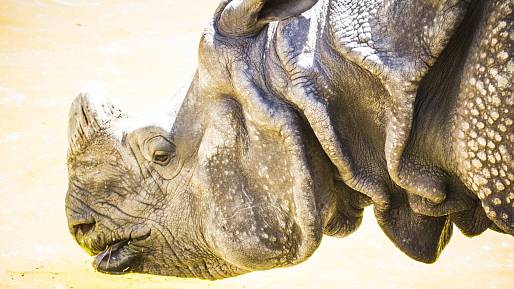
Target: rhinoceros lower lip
(119,257)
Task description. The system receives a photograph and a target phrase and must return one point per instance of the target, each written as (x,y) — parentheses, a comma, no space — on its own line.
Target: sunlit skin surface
(54,50)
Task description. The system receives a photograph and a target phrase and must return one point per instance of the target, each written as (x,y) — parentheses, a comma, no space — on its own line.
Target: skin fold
(300,115)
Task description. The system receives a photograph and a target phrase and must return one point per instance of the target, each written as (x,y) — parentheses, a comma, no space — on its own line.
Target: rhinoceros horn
(88,116)
(246,17)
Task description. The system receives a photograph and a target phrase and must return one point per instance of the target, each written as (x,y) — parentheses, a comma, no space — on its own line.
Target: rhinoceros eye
(161,157)
(161,150)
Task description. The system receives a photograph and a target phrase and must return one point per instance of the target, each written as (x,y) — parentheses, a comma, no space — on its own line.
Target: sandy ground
(141,52)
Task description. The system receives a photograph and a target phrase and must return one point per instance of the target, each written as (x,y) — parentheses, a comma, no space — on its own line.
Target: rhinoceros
(300,115)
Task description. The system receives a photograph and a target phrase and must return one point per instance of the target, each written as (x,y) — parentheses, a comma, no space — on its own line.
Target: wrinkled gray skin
(293,124)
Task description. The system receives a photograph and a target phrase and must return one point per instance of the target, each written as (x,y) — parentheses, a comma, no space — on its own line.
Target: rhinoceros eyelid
(159,149)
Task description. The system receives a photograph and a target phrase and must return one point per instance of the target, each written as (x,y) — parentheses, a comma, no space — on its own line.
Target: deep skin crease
(292,125)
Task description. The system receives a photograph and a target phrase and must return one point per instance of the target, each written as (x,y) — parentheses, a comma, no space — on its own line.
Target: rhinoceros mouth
(120,256)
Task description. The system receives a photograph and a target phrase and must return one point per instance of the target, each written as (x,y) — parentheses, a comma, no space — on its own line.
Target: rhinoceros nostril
(83,228)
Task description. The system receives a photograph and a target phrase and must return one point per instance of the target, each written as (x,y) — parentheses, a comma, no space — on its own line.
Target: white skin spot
(481,141)
(502,81)
(494,114)
(497,156)
(486,173)
(473,145)
(509,198)
(487,191)
(494,171)
(503,55)
(476,163)
(499,186)
(479,180)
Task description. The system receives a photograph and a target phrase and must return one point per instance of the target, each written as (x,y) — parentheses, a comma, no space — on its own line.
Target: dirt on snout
(141,52)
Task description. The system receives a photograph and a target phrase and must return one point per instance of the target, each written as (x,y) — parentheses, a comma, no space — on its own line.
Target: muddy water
(141,52)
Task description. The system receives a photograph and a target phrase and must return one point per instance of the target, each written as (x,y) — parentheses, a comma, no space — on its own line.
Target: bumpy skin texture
(483,133)
(292,125)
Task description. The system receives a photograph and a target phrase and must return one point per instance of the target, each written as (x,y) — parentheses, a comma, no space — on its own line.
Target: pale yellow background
(141,52)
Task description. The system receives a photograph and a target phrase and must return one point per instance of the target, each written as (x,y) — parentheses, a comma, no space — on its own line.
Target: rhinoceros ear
(246,17)
(89,115)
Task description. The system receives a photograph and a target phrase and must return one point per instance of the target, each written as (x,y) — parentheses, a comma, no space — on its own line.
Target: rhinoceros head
(236,183)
